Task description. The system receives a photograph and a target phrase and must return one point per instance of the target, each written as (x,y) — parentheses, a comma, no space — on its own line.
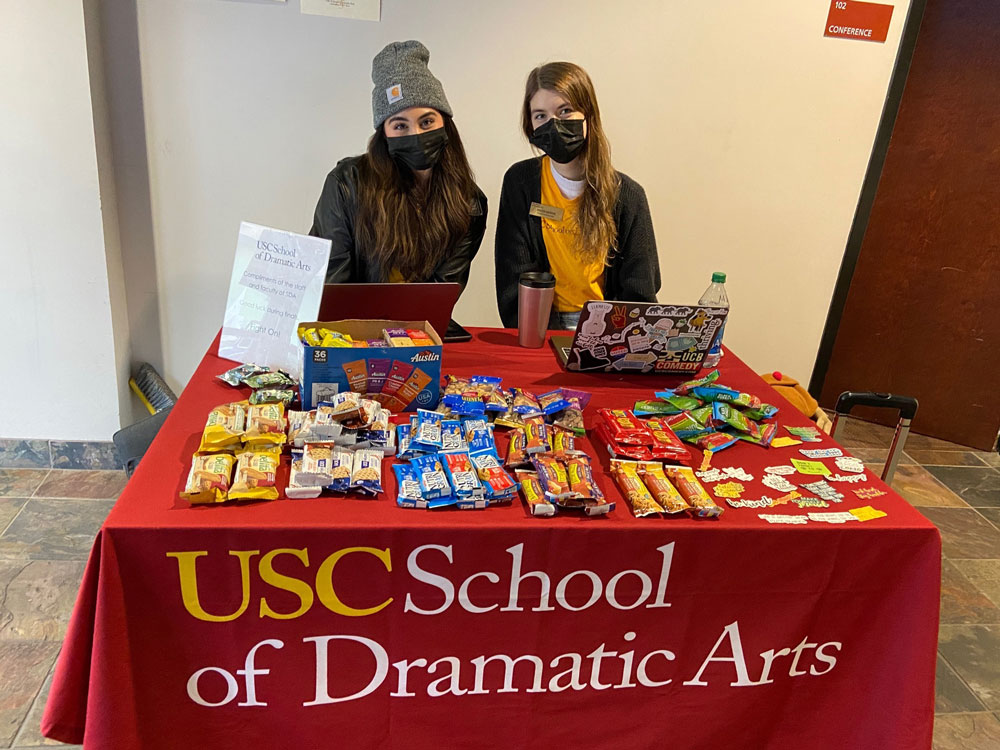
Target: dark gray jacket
(335,217)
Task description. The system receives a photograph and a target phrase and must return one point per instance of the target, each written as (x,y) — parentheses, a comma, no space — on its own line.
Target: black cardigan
(633,272)
(337,211)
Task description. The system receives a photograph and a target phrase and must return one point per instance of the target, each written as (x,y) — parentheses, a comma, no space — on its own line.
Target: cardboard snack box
(401,378)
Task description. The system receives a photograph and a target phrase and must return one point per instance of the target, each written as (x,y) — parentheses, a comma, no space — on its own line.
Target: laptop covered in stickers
(640,337)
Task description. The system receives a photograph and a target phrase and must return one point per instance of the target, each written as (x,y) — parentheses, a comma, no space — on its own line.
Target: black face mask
(562,140)
(420,151)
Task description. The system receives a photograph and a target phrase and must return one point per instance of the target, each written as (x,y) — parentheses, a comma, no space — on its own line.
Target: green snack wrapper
(272,396)
(665,406)
(764,411)
(271,379)
(724,413)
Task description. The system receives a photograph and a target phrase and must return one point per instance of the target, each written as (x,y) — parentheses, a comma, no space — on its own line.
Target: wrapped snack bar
(224,427)
(300,424)
(209,478)
(341,470)
(627,478)
(256,473)
(427,432)
(581,479)
(624,427)
(666,445)
(366,471)
(536,434)
(316,465)
(237,375)
(265,425)
(296,487)
(534,494)
(408,494)
(552,474)
(433,480)
(269,379)
(691,490)
(665,494)
(462,475)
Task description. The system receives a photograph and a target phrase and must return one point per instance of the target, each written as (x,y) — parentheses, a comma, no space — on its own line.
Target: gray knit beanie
(402,80)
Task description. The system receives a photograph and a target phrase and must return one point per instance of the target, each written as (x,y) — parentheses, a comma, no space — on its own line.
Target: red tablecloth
(351,622)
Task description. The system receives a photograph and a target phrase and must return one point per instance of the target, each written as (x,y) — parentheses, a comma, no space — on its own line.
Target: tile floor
(48,518)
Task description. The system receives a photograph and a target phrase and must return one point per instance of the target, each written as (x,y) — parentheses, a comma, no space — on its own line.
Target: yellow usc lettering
(322,587)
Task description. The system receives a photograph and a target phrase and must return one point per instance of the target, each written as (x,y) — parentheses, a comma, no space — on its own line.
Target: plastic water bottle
(715,296)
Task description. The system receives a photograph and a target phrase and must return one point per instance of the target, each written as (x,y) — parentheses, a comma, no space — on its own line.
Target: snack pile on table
(448,457)
(711,416)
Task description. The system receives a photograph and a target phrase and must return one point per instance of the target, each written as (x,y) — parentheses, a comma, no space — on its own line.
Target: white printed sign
(277,281)
(361,10)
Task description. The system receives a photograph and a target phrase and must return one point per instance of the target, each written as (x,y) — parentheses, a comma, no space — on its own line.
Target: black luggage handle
(906,405)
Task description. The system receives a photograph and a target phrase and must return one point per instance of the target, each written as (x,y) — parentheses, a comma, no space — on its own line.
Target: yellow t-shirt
(576,282)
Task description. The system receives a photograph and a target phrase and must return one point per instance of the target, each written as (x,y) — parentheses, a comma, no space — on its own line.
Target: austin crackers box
(404,377)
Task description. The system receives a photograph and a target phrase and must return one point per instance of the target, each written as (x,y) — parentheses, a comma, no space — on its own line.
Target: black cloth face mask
(562,140)
(420,151)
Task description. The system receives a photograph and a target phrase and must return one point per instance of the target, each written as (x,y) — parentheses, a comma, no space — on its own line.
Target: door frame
(869,187)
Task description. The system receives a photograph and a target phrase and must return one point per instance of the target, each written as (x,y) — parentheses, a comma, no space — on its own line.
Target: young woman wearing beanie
(408,209)
(569,212)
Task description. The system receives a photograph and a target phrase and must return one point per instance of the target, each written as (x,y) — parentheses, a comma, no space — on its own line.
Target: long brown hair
(595,215)
(403,224)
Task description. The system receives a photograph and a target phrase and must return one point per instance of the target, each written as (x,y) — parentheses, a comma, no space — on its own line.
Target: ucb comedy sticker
(319,355)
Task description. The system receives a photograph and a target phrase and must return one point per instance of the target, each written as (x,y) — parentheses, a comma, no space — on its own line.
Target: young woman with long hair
(569,211)
(408,209)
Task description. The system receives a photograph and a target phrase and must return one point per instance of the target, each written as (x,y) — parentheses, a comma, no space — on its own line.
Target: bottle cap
(537,280)
(718,278)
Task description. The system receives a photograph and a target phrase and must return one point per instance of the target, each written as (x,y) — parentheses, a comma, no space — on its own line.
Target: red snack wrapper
(625,428)
(666,445)
(617,450)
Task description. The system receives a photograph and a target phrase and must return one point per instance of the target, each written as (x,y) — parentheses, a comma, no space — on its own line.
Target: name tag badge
(546,212)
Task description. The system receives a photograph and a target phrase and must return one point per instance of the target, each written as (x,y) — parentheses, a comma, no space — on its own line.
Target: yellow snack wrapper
(310,336)
(208,480)
(224,427)
(265,425)
(256,475)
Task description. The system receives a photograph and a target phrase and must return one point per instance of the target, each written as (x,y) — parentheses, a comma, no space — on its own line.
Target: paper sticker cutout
(786,498)
(784,442)
(805,434)
(706,460)
(867,493)
(821,452)
(712,475)
(810,467)
(728,489)
(782,518)
(851,478)
(764,502)
(810,502)
(784,469)
(727,472)
(823,490)
(851,464)
(867,513)
(778,483)
(834,517)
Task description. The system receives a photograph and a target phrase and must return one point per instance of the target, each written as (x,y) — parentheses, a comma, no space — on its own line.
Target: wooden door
(922,316)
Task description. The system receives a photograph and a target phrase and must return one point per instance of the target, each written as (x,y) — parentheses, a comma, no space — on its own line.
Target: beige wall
(65,342)
(749,130)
